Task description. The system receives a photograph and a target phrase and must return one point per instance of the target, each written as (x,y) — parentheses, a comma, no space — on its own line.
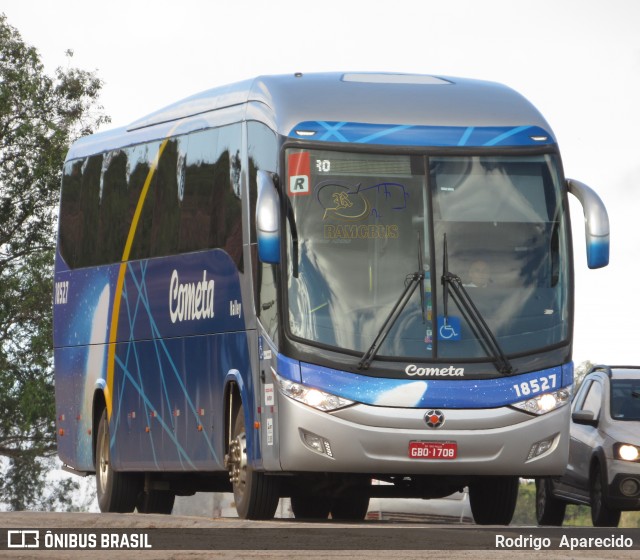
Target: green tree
(40,115)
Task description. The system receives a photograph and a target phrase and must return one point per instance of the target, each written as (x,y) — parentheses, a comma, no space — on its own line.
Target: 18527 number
(534,386)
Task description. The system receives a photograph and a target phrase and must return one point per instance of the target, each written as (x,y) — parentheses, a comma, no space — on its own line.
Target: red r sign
(299,174)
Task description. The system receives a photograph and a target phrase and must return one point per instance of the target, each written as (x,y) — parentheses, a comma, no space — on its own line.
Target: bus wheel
(549,509)
(310,507)
(256,494)
(155,501)
(117,491)
(351,508)
(493,499)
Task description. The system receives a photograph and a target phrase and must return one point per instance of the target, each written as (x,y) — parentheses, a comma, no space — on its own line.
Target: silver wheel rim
(238,464)
(103,466)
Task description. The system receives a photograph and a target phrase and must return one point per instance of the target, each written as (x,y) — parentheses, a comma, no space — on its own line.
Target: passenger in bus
(479,275)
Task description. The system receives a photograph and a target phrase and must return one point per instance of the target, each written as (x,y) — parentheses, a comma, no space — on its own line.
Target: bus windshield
(367,222)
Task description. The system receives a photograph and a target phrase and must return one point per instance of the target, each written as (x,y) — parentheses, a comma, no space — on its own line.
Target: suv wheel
(601,514)
(549,509)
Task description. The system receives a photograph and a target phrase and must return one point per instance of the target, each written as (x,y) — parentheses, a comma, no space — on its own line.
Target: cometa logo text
(451,371)
(193,301)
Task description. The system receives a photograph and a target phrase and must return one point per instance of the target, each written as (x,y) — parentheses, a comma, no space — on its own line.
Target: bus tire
(493,499)
(155,501)
(117,491)
(310,507)
(352,508)
(549,509)
(256,494)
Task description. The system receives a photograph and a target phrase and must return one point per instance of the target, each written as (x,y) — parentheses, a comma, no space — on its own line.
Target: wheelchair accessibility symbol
(449,328)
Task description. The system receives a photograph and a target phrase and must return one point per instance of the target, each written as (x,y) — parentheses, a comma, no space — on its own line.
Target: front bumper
(375,440)
(623,475)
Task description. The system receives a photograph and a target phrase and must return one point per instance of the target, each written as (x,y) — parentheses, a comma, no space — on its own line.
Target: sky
(577,61)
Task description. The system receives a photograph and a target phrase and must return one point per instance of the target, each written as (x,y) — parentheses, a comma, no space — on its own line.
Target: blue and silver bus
(296,285)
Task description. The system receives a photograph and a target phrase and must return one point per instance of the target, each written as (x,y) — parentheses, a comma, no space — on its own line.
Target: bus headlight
(541,404)
(311,397)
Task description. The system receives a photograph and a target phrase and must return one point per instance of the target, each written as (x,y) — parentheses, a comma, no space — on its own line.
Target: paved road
(236,539)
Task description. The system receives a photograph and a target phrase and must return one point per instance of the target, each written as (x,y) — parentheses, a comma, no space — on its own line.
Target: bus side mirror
(596,223)
(268,219)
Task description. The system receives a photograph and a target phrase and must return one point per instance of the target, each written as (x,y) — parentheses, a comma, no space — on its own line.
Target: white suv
(604,454)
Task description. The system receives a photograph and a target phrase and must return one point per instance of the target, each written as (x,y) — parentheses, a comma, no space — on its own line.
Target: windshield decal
(344,205)
(360,232)
(350,203)
(299,174)
(449,328)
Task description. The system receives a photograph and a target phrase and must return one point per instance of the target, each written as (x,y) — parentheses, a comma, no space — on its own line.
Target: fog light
(540,447)
(629,487)
(327,448)
(316,443)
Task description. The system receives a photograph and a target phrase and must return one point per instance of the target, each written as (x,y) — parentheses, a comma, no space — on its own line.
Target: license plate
(444,450)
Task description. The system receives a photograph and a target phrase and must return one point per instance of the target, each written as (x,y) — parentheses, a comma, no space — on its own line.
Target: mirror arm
(596,223)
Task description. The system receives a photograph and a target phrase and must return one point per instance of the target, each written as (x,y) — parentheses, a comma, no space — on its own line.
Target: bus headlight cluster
(311,397)
(541,404)
(627,452)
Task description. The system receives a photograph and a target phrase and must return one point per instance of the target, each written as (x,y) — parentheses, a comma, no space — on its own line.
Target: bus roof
(319,101)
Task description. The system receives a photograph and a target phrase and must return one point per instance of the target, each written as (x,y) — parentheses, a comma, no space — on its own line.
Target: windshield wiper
(472,314)
(412,281)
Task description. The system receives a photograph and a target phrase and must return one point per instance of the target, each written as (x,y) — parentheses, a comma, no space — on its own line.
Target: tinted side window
(227,203)
(192,202)
(165,203)
(71,215)
(87,253)
(139,165)
(113,222)
(197,170)
(210,203)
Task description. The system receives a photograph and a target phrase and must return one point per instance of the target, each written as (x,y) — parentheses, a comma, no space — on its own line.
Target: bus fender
(234,376)
(97,406)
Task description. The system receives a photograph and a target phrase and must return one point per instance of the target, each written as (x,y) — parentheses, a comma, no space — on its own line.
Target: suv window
(625,399)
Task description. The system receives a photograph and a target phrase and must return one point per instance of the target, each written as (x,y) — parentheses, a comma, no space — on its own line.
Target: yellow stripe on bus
(115,314)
